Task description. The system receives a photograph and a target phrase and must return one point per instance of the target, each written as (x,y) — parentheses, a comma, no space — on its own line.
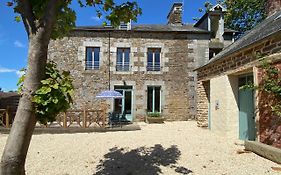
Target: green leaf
(17,18)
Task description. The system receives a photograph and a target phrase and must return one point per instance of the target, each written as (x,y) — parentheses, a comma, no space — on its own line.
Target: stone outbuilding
(229,110)
(151,65)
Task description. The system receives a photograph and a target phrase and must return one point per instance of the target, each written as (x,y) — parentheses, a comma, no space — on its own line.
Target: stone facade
(182,49)
(178,59)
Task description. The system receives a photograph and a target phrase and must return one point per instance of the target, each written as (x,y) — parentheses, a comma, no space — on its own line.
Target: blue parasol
(109,94)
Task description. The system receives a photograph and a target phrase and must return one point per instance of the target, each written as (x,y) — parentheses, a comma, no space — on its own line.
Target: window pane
(119,61)
(97,54)
(149,99)
(127,55)
(127,60)
(157,57)
(89,58)
(150,61)
(157,99)
(96,58)
(157,61)
(119,55)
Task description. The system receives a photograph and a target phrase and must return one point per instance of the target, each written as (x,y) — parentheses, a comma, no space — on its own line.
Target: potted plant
(154,117)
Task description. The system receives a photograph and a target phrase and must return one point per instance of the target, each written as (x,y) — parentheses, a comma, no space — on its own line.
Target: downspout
(109,60)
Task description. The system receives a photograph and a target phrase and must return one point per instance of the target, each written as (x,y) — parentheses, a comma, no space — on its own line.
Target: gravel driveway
(171,148)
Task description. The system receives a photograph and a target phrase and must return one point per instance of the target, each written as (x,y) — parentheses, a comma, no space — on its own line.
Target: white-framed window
(153,59)
(154,99)
(123,59)
(92,58)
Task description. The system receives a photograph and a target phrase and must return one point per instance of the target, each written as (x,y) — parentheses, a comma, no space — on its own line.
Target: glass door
(124,105)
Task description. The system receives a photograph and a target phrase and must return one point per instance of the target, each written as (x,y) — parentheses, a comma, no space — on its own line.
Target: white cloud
(19,44)
(95,18)
(7,70)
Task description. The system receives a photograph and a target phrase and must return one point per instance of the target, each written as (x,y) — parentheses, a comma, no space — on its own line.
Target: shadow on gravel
(140,161)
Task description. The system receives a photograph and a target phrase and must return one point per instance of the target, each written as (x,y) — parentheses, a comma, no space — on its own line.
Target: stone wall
(176,76)
(269,124)
(203,99)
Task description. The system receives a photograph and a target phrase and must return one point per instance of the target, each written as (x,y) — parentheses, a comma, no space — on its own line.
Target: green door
(247,129)
(124,105)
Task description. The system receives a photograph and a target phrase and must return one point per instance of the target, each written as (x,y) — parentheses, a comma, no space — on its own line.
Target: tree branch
(28,17)
(48,19)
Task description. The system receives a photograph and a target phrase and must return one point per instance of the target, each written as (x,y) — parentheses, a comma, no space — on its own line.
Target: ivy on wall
(270,84)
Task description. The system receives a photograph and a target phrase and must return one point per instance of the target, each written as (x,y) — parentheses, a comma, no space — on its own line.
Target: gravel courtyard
(171,148)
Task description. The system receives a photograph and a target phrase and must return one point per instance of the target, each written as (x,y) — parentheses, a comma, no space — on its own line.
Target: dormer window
(125,26)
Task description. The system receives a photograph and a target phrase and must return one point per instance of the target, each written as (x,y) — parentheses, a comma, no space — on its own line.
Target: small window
(92,58)
(153,59)
(153,98)
(123,59)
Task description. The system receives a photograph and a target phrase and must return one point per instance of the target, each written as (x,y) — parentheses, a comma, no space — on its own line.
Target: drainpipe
(109,60)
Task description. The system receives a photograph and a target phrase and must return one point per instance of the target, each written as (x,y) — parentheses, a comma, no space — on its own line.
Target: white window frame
(93,64)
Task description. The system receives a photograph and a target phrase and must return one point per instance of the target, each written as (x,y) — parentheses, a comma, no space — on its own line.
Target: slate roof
(268,27)
(152,28)
(147,28)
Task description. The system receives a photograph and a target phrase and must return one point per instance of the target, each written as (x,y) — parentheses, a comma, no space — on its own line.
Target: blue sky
(14,43)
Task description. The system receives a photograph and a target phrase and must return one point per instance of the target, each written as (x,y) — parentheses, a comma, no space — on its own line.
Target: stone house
(224,107)
(151,65)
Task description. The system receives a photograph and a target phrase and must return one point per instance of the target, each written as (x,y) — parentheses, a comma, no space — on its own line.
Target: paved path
(171,148)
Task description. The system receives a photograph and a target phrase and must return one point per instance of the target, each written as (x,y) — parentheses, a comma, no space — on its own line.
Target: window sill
(153,72)
(123,72)
(91,71)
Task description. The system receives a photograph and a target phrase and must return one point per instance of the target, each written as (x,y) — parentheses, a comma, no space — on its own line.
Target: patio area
(170,148)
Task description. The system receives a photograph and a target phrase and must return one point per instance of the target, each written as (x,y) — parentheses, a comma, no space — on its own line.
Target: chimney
(272,6)
(175,15)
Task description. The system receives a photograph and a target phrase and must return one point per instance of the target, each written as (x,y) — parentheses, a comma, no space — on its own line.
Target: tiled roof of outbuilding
(268,27)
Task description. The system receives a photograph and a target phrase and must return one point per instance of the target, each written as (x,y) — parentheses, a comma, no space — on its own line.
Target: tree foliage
(241,15)
(66,16)
(271,84)
(54,95)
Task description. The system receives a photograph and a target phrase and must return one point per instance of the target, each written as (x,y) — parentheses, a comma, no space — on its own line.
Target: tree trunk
(14,155)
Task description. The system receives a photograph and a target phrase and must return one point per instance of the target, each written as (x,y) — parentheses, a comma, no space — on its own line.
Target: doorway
(247,126)
(124,105)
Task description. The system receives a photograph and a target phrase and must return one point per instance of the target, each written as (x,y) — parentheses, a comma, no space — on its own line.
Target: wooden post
(84,117)
(103,119)
(7,118)
(64,120)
